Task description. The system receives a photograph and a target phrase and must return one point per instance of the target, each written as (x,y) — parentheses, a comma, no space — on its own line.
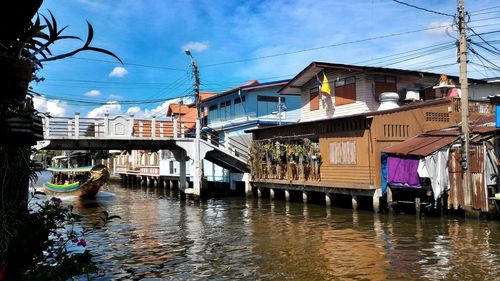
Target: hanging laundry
(403,171)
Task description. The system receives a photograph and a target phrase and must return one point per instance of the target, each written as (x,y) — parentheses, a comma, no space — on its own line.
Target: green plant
(43,242)
(34,42)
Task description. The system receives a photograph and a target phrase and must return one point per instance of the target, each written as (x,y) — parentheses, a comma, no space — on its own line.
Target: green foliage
(39,243)
(33,44)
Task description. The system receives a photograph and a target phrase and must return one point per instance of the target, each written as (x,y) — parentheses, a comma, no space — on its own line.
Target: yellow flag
(325,86)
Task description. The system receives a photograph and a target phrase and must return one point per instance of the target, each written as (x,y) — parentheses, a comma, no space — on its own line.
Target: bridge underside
(111,144)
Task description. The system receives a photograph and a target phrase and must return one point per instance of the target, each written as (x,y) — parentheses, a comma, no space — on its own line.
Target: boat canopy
(70,170)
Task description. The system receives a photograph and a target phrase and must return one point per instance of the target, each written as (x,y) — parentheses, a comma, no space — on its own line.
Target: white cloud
(56,108)
(115,97)
(118,71)
(93,93)
(133,110)
(196,46)
(160,111)
(438,28)
(112,108)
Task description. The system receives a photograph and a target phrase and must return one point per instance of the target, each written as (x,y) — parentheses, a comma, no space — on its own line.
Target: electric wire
(130,64)
(423,9)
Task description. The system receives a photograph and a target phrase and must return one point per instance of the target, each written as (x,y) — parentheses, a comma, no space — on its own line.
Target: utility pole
(198,162)
(464,98)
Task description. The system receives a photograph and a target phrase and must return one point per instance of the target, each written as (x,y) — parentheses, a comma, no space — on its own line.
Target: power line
(83,102)
(480,37)
(106,82)
(423,9)
(484,9)
(326,46)
(130,64)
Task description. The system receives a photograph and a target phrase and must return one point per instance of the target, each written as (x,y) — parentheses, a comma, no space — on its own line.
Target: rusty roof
(420,145)
(315,67)
(429,142)
(455,131)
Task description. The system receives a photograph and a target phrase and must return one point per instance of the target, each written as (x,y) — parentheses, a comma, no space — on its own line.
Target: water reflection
(161,236)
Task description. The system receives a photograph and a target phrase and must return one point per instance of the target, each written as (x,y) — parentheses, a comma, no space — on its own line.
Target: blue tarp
(383,161)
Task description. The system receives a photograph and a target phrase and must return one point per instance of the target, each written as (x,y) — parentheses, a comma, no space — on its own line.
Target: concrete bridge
(185,140)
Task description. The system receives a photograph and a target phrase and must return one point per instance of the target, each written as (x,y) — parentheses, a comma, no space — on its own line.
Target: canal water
(160,237)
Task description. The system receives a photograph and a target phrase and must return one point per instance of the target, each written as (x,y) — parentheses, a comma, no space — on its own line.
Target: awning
(70,170)
(420,146)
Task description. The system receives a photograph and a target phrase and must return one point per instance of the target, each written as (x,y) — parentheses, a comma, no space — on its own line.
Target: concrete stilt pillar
(182,171)
(389,199)
(232,185)
(376,200)
(304,197)
(170,184)
(259,192)
(354,201)
(328,199)
(271,194)
(287,195)
(248,185)
(417,206)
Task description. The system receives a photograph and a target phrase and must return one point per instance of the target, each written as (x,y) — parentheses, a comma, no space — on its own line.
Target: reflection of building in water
(361,252)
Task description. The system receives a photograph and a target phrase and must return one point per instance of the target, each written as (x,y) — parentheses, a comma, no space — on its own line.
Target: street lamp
(194,67)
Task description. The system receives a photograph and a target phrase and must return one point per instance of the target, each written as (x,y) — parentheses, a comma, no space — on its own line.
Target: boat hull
(99,175)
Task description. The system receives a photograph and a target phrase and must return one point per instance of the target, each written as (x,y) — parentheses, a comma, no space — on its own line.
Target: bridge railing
(117,127)
(228,145)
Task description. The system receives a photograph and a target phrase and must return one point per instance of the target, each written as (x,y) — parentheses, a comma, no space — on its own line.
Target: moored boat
(84,182)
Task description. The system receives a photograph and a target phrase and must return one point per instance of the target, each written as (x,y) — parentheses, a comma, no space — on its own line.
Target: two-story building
(336,146)
(247,106)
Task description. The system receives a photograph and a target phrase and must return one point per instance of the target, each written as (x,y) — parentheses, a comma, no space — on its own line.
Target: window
(166,154)
(239,106)
(343,152)
(396,130)
(345,91)
(228,110)
(384,83)
(314,99)
(267,105)
(225,110)
(212,113)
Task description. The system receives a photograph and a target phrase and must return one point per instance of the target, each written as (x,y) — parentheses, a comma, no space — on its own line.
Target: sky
(237,41)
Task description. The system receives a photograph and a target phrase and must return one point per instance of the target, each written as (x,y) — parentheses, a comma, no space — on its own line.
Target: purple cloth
(403,171)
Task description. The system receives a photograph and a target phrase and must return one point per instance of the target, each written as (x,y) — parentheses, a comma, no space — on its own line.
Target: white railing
(228,145)
(118,127)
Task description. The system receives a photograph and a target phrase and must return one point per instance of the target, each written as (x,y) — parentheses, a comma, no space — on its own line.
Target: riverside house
(335,149)
(248,106)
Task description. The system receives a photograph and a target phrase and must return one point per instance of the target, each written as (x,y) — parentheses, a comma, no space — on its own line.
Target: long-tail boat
(81,181)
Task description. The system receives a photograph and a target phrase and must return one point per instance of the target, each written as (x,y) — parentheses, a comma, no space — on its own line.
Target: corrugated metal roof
(421,145)
(250,85)
(316,67)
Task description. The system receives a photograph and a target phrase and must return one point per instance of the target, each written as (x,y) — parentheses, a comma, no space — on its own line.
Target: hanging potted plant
(300,151)
(268,151)
(278,151)
(22,57)
(289,161)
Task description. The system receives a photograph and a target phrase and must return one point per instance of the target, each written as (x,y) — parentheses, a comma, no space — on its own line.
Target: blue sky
(237,41)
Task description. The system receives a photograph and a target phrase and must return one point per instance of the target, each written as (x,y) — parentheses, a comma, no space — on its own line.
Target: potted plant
(268,150)
(21,58)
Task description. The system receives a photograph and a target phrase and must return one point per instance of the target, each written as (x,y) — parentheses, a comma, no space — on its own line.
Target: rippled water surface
(163,238)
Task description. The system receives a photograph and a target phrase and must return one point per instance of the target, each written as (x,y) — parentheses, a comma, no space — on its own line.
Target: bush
(42,243)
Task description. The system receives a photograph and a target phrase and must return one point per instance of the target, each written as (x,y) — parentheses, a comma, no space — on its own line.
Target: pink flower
(82,242)
(56,201)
